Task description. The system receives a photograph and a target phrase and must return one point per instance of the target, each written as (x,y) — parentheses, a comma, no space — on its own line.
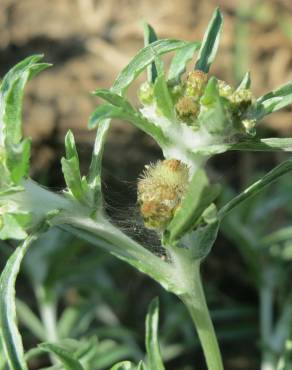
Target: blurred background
(89,42)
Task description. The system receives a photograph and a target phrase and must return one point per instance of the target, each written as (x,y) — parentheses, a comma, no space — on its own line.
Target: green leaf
(256,187)
(18,156)
(145,57)
(198,197)
(30,320)
(152,343)
(106,111)
(201,240)
(150,37)
(114,99)
(162,94)
(253,144)
(94,175)
(66,356)
(213,111)
(11,97)
(245,83)
(272,101)
(10,336)
(210,43)
(71,170)
(124,365)
(141,366)
(13,226)
(180,60)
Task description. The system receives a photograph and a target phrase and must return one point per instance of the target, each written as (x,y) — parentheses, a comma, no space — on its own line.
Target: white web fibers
(128,219)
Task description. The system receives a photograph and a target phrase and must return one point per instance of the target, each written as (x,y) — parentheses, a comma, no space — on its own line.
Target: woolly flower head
(160,191)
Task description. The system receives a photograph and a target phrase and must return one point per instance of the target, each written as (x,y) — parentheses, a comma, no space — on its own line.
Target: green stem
(188,272)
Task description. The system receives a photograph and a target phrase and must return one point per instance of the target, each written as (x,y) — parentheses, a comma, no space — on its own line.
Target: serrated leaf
(150,37)
(198,197)
(154,359)
(180,60)
(210,42)
(256,187)
(10,336)
(145,57)
(66,356)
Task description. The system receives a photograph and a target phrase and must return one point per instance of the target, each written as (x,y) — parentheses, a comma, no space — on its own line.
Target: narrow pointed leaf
(10,336)
(66,357)
(255,188)
(252,145)
(144,58)
(110,111)
(152,343)
(71,169)
(245,83)
(150,37)
(162,95)
(210,42)
(94,175)
(30,320)
(180,60)
(273,101)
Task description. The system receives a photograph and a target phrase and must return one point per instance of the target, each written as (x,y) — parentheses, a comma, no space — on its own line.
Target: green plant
(191,120)
(267,252)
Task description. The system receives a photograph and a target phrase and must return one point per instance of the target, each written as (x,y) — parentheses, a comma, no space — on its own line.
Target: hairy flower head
(160,191)
(187,109)
(195,83)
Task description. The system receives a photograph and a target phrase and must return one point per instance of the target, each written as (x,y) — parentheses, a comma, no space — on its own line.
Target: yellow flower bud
(225,90)
(160,191)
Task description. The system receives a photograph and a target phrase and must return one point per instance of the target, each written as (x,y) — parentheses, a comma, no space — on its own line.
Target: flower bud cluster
(160,191)
(188,106)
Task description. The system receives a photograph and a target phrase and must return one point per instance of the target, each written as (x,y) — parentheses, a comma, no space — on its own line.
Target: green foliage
(10,336)
(180,60)
(150,37)
(198,198)
(222,121)
(152,345)
(210,42)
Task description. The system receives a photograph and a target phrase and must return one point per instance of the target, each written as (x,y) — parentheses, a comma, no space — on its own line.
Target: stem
(266,319)
(195,301)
